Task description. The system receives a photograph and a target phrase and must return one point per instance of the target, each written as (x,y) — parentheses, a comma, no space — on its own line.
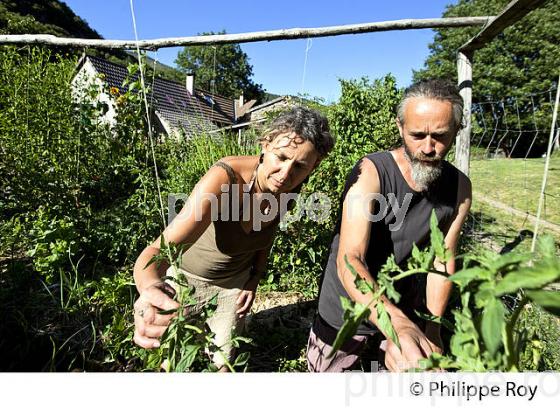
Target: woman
(229,222)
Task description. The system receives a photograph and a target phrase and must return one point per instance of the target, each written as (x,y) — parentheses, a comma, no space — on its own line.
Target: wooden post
(463,142)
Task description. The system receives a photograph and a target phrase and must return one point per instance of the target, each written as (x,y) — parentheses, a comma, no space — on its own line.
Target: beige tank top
(225,249)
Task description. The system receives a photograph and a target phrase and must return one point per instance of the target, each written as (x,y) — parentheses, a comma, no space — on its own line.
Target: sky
(279,65)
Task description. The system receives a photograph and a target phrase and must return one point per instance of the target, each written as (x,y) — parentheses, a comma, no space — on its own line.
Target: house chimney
(190,83)
(237,105)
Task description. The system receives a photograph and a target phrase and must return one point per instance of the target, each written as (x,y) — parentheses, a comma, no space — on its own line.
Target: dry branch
(283,34)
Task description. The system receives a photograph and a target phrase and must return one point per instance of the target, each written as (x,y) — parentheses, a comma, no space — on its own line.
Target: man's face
(428,133)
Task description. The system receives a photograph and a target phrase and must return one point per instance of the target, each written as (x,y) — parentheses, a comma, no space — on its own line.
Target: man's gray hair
(309,124)
(437,89)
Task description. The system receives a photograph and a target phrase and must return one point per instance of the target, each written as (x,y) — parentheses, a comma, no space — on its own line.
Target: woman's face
(287,161)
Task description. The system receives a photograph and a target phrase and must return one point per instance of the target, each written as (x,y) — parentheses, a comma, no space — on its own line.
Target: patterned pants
(224,322)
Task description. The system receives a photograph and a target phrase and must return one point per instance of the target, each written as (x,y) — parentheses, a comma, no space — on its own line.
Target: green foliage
(354,314)
(54,244)
(541,330)
(187,343)
(222,69)
(503,340)
(80,189)
(188,161)
(520,61)
(45,17)
(365,113)
(486,336)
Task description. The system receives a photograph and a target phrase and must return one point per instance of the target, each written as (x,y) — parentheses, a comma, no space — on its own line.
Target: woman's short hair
(308,124)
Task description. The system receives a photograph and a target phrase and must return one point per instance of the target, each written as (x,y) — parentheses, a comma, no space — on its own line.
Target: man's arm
(438,288)
(354,241)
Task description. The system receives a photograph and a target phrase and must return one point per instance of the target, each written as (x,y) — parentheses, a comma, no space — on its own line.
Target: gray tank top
(384,241)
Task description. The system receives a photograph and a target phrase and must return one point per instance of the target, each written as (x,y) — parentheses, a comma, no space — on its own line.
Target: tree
(521,61)
(222,69)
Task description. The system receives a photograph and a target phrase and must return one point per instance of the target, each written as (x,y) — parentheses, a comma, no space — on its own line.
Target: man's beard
(424,174)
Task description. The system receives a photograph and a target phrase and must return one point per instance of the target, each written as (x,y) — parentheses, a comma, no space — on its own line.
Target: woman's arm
(185,229)
(247,295)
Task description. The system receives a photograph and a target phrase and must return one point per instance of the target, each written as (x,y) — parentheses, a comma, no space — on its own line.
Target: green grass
(517,184)
(492,228)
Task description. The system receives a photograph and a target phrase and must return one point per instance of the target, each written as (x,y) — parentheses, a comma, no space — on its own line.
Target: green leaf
(354,314)
(534,277)
(491,325)
(548,300)
(241,359)
(507,261)
(416,254)
(167,312)
(311,252)
(466,276)
(188,355)
(437,240)
(422,259)
(485,294)
(546,246)
(440,320)
(361,284)
(387,282)
(436,361)
(385,325)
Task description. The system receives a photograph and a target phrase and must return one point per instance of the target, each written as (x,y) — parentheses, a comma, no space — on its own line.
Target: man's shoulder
(462,178)
(376,155)
(376,160)
(373,161)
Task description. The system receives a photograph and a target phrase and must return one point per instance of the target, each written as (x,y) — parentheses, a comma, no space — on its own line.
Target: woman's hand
(149,324)
(247,297)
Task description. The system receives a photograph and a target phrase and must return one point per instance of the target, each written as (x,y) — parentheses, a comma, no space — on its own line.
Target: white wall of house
(88,77)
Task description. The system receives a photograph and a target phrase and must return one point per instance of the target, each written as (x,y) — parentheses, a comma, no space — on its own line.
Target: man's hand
(415,345)
(433,334)
(247,297)
(149,324)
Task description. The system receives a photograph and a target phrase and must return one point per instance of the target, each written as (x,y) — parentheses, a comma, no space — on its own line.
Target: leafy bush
(54,244)
(365,113)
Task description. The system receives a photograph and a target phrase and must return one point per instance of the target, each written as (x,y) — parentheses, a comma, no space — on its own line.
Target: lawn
(517,184)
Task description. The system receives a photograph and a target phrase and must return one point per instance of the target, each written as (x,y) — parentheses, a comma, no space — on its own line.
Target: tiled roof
(172,101)
(268,103)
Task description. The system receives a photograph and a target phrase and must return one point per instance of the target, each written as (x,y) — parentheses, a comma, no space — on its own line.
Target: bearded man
(386,208)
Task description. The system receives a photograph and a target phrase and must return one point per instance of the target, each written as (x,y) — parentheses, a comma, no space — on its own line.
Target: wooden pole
(463,142)
(513,12)
(283,34)
(546,165)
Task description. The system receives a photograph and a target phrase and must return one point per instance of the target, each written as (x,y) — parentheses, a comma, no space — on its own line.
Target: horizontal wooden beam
(283,34)
(513,12)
